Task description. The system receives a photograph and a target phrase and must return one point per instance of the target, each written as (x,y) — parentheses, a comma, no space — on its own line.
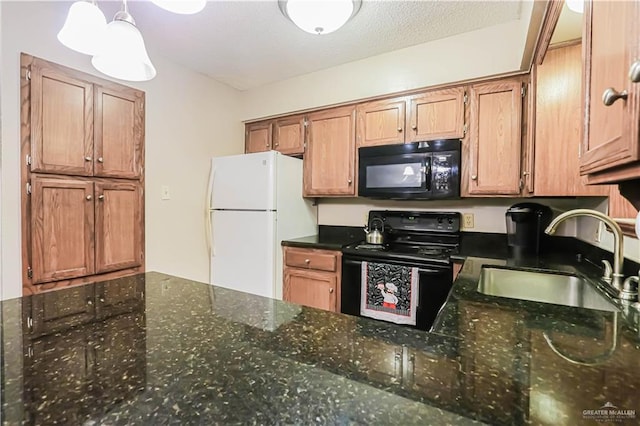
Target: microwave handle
(427,172)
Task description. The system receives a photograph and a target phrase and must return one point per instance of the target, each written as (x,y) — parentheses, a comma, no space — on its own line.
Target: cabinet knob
(349,181)
(399,129)
(277,143)
(474,177)
(307,261)
(100,197)
(100,160)
(87,158)
(89,197)
(89,302)
(414,127)
(330,290)
(634,72)
(611,95)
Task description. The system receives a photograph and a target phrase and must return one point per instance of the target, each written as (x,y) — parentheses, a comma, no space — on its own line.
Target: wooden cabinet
(61,117)
(495,138)
(329,162)
(257,137)
(62,226)
(312,277)
(288,135)
(80,227)
(82,139)
(611,150)
(80,127)
(285,135)
(558,125)
(436,114)
(119,132)
(118,226)
(381,122)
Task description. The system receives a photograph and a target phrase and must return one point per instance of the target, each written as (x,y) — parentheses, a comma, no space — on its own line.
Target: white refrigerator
(255,202)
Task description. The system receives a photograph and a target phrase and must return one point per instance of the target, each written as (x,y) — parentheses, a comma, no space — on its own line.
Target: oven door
(395,176)
(433,288)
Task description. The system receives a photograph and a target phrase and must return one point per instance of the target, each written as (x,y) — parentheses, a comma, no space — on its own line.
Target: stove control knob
(450,221)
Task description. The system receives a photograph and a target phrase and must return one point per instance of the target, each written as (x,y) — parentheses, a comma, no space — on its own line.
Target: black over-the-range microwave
(413,171)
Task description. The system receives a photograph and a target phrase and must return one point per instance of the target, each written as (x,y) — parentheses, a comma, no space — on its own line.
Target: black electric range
(424,240)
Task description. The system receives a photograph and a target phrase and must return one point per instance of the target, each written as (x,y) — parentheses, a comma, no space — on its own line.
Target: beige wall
(189,118)
(493,50)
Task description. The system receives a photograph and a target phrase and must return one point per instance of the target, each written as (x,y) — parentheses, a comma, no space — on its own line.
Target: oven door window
(408,173)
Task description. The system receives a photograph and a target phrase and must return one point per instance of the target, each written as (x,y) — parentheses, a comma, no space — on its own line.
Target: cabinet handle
(307,261)
(611,95)
(474,177)
(100,197)
(89,197)
(414,127)
(399,129)
(525,173)
(87,158)
(634,72)
(100,160)
(330,290)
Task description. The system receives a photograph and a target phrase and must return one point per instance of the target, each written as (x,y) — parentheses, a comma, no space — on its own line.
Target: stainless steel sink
(546,287)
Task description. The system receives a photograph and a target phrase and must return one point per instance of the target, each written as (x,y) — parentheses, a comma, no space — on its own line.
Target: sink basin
(546,287)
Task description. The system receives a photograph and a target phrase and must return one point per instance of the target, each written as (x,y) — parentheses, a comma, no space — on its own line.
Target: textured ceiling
(247,44)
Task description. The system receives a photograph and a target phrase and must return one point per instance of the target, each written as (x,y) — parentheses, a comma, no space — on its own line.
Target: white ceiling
(247,44)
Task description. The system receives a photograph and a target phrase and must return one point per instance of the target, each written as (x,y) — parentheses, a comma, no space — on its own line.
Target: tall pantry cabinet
(82,176)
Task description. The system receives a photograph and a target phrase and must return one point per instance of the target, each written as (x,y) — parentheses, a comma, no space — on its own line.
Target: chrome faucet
(623,289)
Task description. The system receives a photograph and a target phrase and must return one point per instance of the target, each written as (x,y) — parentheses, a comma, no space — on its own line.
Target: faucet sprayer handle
(608,272)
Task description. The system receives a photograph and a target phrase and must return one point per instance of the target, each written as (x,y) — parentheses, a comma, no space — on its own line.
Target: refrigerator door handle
(208,212)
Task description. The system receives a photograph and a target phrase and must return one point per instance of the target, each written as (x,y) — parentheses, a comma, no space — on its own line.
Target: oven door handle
(420,270)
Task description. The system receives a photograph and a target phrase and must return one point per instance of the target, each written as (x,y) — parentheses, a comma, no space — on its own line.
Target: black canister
(526,223)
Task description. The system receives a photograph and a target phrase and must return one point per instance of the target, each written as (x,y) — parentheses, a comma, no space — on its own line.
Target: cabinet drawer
(311,259)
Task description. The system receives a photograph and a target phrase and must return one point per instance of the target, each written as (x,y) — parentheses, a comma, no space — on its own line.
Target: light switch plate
(165,195)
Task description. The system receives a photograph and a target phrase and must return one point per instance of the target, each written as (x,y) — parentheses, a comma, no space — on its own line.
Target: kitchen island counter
(157,349)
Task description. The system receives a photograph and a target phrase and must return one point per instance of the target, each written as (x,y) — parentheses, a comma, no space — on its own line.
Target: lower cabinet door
(311,288)
(118,225)
(62,220)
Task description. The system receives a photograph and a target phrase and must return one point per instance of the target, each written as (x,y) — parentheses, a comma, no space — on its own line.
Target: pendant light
(319,16)
(123,54)
(83,28)
(576,5)
(185,7)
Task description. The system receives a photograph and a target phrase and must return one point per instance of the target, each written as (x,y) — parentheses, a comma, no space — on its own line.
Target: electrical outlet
(165,195)
(467,221)
(598,234)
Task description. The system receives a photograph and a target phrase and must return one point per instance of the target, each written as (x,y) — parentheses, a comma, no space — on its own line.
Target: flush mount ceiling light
(123,54)
(84,27)
(319,16)
(185,7)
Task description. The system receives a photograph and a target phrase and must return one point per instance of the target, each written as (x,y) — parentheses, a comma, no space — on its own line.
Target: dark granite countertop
(157,349)
(328,238)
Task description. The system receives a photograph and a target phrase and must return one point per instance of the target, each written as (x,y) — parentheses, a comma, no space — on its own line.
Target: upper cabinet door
(61,122)
(495,138)
(437,114)
(62,222)
(257,137)
(118,226)
(119,132)
(288,135)
(558,125)
(381,122)
(329,161)
(611,125)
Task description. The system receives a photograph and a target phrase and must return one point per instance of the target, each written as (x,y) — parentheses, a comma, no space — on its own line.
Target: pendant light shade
(319,16)
(576,5)
(185,7)
(84,28)
(123,54)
